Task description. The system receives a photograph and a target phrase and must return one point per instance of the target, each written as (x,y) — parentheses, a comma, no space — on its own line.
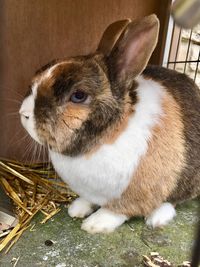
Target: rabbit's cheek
(58,133)
(75,114)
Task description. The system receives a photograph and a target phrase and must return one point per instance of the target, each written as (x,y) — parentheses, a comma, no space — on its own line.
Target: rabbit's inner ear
(132,51)
(111,35)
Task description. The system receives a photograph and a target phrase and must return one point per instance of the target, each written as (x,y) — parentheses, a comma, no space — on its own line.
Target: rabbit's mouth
(28,119)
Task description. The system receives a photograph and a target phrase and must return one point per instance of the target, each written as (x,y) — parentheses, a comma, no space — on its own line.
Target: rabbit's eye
(78,97)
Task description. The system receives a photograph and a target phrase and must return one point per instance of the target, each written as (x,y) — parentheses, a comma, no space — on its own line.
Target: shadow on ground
(72,247)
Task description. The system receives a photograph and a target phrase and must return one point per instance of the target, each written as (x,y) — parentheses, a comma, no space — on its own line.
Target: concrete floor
(73,247)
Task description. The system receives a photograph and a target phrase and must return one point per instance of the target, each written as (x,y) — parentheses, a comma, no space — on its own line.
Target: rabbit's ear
(133,49)
(111,35)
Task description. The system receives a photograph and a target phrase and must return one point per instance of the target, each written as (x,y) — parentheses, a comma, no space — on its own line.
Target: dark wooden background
(33,32)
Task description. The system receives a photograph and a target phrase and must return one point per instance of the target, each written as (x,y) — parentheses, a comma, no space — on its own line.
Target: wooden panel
(34,32)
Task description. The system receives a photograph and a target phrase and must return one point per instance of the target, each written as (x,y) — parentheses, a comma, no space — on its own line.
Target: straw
(33,188)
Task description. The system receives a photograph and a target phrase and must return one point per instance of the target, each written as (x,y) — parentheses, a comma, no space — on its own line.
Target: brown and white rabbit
(123,137)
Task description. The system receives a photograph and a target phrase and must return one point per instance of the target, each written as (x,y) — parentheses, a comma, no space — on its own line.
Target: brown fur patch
(113,132)
(158,171)
(72,119)
(75,114)
(117,130)
(69,120)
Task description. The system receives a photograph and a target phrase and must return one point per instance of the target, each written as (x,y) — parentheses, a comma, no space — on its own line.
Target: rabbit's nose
(24,114)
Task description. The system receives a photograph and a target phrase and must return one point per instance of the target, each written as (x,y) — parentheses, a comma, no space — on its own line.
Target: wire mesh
(184,53)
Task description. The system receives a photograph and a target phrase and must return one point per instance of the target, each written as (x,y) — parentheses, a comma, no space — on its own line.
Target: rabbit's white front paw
(103,221)
(161,216)
(80,208)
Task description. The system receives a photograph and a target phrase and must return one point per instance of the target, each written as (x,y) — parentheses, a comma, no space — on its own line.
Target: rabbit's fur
(124,136)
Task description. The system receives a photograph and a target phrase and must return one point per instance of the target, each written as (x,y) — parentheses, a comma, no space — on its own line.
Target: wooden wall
(34,32)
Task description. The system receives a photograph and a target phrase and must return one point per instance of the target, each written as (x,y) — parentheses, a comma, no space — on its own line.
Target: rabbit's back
(187,95)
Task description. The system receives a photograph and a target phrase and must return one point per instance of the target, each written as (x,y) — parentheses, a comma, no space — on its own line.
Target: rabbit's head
(73,103)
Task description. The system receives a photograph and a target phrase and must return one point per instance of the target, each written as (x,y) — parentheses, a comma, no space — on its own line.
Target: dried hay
(33,188)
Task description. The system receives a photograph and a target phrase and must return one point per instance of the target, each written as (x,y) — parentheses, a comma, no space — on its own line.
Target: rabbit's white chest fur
(107,173)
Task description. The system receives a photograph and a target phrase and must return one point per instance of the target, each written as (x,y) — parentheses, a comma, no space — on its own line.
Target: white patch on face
(161,216)
(106,174)
(46,75)
(49,71)
(27,116)
(34,89)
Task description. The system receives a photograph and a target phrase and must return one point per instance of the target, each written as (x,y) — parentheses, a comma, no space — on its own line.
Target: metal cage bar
(182,59)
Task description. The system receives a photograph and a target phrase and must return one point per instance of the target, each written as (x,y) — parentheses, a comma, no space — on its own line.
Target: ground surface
(73,247)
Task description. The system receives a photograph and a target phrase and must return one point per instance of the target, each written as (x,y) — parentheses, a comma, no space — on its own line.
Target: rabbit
(123,135)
